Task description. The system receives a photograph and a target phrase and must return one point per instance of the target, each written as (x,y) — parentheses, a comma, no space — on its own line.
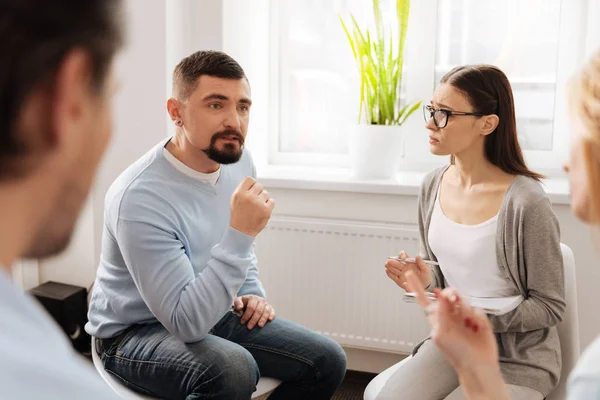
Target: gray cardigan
(529,255)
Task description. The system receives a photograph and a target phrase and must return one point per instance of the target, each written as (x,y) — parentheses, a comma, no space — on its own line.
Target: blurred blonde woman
(464,334)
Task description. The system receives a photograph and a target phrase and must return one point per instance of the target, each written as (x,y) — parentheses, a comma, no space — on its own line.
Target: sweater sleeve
(537,236)
(187,304)
(584,380)
(252,285)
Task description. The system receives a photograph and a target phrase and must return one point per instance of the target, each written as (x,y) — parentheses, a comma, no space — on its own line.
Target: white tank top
(467,255)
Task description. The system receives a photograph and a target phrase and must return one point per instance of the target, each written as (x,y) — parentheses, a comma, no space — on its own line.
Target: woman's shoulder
(432,178)
(525,192)
(526,197)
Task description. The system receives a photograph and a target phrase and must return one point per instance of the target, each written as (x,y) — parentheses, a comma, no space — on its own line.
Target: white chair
(265,385)
(568,332)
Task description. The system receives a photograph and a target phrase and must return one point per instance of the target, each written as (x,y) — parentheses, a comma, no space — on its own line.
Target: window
(313,82)
(316,89)
(522,39)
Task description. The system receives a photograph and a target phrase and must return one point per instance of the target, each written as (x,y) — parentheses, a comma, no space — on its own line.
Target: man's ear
(71,92)
(50,112)
(490,123)
(174,107)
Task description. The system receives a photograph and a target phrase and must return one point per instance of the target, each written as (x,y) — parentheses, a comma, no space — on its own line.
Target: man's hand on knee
(257,311)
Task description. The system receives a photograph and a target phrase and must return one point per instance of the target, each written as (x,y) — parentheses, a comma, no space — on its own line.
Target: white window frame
(571,55)
(277,157)
(258,46)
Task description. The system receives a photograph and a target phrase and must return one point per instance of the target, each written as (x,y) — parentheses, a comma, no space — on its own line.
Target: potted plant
(375,142)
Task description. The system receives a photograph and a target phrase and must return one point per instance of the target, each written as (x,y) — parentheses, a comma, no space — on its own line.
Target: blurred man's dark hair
(36,37)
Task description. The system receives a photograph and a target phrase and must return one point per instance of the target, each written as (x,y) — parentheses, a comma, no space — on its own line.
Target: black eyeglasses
(440,116)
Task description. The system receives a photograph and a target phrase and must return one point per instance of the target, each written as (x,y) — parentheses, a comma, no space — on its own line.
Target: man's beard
(230,153)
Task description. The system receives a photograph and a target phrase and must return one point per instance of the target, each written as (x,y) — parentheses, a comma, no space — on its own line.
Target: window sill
(341,180)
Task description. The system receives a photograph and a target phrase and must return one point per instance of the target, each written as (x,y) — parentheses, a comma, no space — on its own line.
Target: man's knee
(240,374)
(243,370)
(332,362)
(233,376)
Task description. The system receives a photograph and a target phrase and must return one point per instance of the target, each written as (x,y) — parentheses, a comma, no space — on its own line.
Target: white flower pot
(375,151)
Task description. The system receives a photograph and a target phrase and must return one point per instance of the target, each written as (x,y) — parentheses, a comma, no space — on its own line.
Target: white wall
(192,25)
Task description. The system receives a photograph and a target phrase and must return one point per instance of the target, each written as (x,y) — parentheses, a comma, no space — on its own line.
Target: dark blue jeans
(228,362)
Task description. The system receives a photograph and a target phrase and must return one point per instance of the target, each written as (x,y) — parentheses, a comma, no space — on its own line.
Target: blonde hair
(585,102)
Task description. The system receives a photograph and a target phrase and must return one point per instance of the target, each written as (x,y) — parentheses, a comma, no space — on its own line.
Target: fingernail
(453,298)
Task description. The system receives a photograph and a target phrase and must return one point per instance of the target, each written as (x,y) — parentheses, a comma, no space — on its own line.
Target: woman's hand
(464,334)
(396,270)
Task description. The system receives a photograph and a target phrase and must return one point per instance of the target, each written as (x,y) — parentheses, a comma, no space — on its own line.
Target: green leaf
(410,111)
(402,11)
(357,30)
(400,114)
(349,37)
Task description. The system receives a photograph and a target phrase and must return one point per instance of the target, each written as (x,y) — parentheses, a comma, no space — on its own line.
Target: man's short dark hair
(206,62)
(36,37)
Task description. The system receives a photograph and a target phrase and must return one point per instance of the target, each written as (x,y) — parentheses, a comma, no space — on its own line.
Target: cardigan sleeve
(535,237)
(427,195)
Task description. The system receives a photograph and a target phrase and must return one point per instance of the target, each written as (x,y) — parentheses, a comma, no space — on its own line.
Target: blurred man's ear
(73,91)
(49,113)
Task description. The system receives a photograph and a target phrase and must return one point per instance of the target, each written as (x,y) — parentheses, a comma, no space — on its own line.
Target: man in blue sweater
(177,307)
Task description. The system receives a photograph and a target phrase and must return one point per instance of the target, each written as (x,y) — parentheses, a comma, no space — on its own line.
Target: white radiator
(329,275)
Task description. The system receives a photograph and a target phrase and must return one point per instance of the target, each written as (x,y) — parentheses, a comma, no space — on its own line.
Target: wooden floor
(352,389)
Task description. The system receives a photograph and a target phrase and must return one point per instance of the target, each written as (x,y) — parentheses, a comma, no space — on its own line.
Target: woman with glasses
(489,225)
(464,334)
